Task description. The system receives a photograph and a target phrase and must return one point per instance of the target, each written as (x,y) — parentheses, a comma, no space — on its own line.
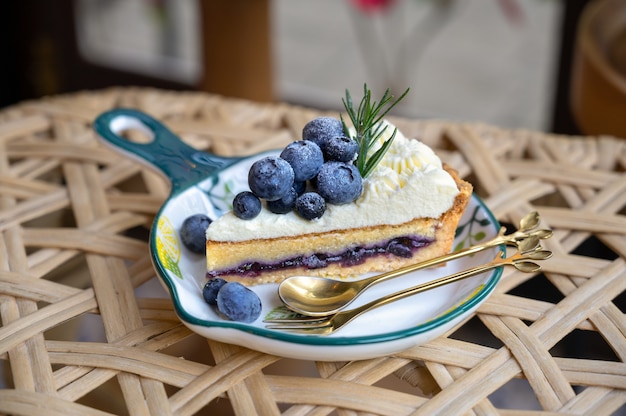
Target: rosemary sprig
(368,129)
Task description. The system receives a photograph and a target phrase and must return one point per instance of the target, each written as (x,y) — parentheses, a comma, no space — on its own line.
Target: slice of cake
(407,212)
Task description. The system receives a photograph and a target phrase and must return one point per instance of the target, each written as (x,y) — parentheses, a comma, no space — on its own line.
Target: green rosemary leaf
(384,113)
(366,120)
(373,160)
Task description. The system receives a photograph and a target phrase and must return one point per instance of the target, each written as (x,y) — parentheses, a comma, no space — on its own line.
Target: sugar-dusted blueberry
(284,204)
(246,205)
(310,205)
(193,232)
(300,187)
(210,289)
(305,157)
(320,129)
(270,178)
(238,303)
(341,149)
(339,183)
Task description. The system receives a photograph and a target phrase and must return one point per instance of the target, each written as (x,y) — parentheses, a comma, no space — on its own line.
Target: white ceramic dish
(203,183)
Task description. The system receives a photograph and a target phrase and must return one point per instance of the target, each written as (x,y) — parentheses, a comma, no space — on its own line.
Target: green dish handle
(183,165)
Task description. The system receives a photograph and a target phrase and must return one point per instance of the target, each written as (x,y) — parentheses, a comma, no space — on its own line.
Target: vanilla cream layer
(408,183)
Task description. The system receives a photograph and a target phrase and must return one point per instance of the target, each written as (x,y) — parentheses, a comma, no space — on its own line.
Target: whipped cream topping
(408,183)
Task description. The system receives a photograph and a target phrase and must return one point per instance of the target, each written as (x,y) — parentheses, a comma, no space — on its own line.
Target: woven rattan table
(87,331)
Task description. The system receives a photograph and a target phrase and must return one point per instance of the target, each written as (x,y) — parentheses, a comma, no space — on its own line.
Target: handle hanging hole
(132,129)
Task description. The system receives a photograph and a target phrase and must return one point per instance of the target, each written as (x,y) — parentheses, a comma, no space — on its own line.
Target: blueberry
(238,303)
(400,248)
(314,262)
(339,183)
(300,187)
(210,289)
(246,205)
(320,129)
(193,232)
(284,204)
(341,149)
(305,157)
(310,205)
(270,178)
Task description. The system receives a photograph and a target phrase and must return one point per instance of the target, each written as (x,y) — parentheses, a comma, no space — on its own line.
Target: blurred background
(504,62)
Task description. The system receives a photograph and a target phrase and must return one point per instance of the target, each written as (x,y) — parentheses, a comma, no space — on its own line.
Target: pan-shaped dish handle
(180,163)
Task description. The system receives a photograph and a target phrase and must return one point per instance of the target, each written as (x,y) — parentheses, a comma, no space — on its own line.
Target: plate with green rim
(206,183)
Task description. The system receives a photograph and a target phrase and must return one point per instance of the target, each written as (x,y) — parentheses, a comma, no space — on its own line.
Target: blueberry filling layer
(401,247)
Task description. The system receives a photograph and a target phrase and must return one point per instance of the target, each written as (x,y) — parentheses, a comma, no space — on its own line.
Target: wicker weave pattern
(73,217)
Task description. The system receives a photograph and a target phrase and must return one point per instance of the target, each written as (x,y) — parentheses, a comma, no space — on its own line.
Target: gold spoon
(320,296)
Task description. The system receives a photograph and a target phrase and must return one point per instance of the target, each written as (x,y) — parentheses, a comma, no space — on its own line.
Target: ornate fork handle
(330,324)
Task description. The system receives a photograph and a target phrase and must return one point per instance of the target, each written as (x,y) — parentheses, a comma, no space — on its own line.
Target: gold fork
(330,324)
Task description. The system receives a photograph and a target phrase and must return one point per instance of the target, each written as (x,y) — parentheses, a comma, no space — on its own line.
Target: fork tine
(299,319)
(299,325)
(325,330)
